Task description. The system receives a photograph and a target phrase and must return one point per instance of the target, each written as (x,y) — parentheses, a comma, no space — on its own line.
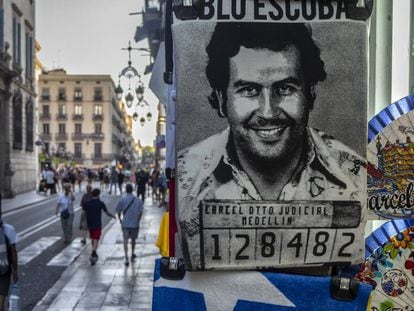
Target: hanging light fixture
(140,91)
(129,99)
(142,121)
(132,75)
(119,91)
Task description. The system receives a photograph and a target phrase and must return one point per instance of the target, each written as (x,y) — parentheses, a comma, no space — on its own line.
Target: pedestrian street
(110,285)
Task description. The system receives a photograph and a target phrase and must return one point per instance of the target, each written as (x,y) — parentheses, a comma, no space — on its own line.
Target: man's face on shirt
(267,108)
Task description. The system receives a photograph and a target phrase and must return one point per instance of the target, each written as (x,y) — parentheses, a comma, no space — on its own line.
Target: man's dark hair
(96,192)
(228,38)
(129,188)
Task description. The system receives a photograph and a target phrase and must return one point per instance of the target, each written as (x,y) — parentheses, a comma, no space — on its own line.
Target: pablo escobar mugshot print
(271,135)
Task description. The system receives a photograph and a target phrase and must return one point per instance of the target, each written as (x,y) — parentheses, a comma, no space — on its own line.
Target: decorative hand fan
(389,266)
(391,160)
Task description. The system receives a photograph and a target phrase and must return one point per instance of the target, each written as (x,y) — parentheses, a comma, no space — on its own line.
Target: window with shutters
(17,121)
(29,125)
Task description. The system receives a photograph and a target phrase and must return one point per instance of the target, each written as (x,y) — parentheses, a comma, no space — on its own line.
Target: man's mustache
(259,121)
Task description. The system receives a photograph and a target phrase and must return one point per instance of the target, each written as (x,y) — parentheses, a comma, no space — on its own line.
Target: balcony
(78,156)
(45,117)
(61,117)
(101,157)
(77,117)
(77,98)
(97,97)
(78,136)
(45,98)
(61,97)
(97,117)
(45,137)
(97,136)
(61,136)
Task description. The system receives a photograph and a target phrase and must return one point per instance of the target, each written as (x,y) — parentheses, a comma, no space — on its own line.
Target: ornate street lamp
(131,73)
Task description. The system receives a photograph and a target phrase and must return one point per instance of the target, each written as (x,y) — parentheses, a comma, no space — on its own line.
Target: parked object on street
(92,209)
(131,208)
(42,186)
(64,207)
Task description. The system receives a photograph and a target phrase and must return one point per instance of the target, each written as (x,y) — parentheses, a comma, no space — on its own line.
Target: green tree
(148,156)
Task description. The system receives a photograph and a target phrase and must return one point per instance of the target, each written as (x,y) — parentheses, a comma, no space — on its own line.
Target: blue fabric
(308,293)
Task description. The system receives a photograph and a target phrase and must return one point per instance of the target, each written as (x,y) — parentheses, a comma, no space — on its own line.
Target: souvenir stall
(389,250)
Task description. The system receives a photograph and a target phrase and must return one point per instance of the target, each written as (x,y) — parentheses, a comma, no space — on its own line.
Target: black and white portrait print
(271,140)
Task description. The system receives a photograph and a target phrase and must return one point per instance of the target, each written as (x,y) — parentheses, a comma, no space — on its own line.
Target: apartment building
(17,97)
(80,120)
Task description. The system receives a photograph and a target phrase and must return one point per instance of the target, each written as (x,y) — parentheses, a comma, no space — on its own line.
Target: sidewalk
(110,285)
(23,199)
(32,197)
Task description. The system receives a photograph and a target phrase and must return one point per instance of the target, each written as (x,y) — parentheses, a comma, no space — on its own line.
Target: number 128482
(223,248)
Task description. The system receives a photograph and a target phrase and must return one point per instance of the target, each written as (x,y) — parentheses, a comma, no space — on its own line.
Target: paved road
(38,226)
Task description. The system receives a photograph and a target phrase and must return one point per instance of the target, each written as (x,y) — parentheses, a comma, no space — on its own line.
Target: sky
(86,37)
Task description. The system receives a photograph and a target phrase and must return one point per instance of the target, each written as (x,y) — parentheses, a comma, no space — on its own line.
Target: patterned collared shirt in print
(331,171)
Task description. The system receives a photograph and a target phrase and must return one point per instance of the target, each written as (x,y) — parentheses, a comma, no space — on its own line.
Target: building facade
(17,97)
(80,120)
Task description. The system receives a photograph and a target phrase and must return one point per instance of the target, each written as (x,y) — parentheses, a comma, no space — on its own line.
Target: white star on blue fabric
(222,289)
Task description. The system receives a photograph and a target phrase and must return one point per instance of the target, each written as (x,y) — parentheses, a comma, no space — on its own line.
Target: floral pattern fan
(389,266)
(390,156)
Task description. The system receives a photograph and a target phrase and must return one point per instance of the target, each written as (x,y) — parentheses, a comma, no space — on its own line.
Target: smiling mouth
(269,133)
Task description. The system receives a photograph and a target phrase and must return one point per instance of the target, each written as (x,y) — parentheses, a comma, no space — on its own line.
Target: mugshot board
(270,134)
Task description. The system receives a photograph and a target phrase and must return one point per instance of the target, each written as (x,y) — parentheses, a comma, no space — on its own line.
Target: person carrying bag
(64,207)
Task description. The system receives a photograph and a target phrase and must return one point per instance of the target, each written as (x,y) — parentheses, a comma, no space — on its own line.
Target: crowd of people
(129,208)
(111,180)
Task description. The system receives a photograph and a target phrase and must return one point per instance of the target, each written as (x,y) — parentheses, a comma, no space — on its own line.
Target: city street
(43,256)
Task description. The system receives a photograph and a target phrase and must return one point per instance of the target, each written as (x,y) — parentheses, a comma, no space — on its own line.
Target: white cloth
(10,233)
(49,176)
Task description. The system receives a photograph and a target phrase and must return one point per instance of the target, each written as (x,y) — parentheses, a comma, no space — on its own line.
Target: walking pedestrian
(90,176)
(101,174)
(83,227)
(121,177)
(64,207)
(154,176)
(131,209)
(72,178)
(79,178)
(49,176)
(8,260)
(93,212)
(162,187)
(114,179)
(142,181)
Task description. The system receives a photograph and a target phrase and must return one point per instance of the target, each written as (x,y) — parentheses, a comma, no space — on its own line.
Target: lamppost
(131,73)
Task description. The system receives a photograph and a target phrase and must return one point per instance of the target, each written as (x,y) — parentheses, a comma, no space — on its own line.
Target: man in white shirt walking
(131,209)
